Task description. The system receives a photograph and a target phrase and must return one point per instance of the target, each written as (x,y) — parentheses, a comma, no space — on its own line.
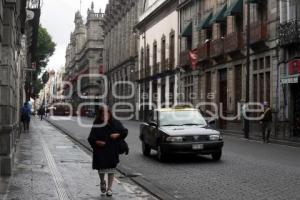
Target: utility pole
(246,127)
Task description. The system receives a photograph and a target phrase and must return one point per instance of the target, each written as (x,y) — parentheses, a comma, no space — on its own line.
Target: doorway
(296,111)
(223,96)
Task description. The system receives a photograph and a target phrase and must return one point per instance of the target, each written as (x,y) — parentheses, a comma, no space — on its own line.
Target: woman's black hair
(99,115)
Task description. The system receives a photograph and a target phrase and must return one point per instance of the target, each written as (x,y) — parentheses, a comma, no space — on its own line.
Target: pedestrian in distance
(41,113)
(25,116)
(266,122)
(105,138)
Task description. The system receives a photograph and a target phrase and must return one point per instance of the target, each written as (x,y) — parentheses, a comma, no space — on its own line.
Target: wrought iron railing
(289,32)
(258,32)
(204,51)
(233,42)
(217,48)
(184,58)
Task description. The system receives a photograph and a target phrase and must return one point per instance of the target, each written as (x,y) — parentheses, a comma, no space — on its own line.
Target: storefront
(292,80)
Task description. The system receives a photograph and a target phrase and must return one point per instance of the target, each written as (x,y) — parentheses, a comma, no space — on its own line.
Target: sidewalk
(50,166)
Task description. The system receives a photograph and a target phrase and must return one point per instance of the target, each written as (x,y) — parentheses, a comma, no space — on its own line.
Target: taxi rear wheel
(161,155)
(146,149)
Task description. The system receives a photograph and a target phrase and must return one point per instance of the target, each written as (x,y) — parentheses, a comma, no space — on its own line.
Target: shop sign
(289,80)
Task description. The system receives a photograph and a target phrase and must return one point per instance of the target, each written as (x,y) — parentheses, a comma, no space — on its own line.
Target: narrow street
(248,169)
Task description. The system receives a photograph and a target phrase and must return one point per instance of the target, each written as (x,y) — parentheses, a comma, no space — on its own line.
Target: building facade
(158,50)
(218,33)
(288,97)
(120,58)
(18,37)
(84,60)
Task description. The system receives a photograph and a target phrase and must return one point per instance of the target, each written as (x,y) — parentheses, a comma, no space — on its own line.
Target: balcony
(258,33)
(155,68)
(289,33)
(204,52)
(217,48)
(184,58)
(233,42)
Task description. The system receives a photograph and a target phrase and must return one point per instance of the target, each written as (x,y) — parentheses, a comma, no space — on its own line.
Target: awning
(234,8)
(256,1)
(219,15)
(188,30)
(204,23)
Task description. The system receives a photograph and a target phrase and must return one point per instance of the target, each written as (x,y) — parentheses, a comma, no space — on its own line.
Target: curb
(154,190)
(256,138)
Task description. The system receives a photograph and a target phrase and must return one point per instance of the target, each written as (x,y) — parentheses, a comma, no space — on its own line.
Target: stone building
(19,21)
(288,96)
(84,57)
(121,53)
(217,32)
(158,50)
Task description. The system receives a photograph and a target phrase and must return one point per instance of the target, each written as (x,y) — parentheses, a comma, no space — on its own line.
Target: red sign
(193,58)
(294,67)
(101,69)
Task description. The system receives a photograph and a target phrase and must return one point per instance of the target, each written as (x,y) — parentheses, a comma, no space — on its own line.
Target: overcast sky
(58,17)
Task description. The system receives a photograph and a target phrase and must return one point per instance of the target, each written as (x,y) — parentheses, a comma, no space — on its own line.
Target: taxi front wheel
(217,155)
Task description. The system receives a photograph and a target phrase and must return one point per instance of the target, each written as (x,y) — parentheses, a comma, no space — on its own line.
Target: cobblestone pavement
(248,169)
(49,166)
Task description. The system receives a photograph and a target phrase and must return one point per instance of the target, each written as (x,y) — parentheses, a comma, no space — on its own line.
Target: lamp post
(246,120)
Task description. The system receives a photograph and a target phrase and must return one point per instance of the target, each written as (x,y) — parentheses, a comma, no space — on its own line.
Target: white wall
(156,31)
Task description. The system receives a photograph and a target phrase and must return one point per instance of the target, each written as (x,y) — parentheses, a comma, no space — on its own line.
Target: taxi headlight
(174,139)
(214,137)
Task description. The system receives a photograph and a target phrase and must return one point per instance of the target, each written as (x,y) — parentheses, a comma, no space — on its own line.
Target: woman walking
(105,138)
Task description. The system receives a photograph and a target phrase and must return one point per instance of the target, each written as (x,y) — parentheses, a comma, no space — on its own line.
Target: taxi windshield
(181,118)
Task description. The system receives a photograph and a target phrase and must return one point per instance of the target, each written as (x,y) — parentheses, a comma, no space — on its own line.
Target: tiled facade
(16,45)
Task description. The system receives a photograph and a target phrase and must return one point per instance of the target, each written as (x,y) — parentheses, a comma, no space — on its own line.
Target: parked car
(184,130)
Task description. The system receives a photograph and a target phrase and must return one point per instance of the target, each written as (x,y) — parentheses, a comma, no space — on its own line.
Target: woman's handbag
(123,147)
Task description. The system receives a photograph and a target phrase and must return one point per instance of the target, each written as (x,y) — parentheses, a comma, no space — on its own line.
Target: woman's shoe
(109,193)
(103,187)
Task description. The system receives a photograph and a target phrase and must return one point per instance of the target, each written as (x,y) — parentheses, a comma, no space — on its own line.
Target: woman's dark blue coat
(108,156)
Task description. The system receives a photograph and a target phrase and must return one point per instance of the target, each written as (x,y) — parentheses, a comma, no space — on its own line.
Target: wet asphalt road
(248,169)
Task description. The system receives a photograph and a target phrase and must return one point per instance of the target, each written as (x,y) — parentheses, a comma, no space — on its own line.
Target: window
(261,87)
(261,63)
(147,64)
(172,49)
(268,87)
(189,88)
(255,88)
(238,83)
(142,62)
(163,52)
(268,62)
(254,65)
(154,53)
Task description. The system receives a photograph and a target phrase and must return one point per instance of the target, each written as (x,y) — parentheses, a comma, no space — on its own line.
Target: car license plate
(197,146)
